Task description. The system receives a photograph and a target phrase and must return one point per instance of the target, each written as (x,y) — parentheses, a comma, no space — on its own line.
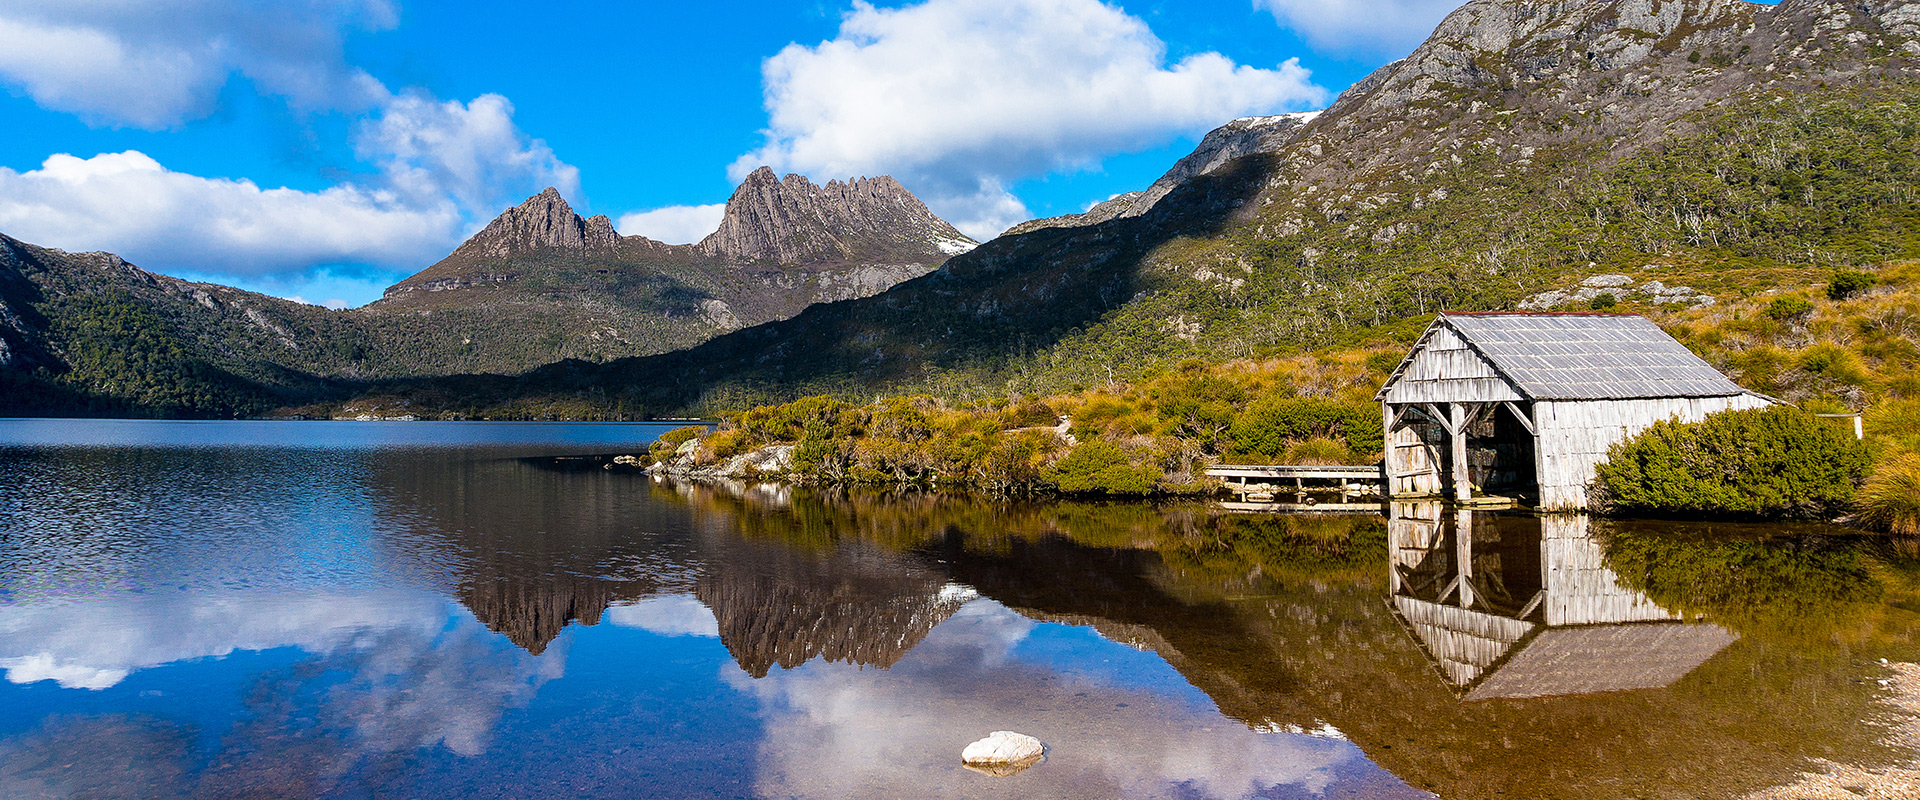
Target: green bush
(1890,500)
(1775,462)
(1847,283)
(1789,307)
(670,441)
(1101,467)
(1603,301)
(1271,425)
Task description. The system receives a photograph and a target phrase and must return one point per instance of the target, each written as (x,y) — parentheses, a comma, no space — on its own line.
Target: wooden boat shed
(1529,403)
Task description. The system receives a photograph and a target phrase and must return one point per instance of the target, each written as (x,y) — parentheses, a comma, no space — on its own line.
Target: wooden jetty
(1256,479)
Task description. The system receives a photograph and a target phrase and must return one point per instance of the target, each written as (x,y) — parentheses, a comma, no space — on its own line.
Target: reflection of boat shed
(1530,403)
(1526,607)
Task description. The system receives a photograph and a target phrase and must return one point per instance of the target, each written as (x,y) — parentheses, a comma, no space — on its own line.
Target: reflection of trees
(1282,622)
(1812,578)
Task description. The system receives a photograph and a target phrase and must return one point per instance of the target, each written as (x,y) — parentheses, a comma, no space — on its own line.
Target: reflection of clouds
(409,690)
(672,615)
(899,732)
(423,675)
(95,645)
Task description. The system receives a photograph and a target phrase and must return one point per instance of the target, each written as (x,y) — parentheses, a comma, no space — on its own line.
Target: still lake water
(447,610)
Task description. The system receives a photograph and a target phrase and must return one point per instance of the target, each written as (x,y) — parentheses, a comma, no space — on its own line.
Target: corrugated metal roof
(1588,356)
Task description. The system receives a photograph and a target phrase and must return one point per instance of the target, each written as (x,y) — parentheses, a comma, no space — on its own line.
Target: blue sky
(322,149)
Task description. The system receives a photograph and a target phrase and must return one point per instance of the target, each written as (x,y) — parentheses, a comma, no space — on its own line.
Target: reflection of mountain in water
(1471,592)
(854,603)
(530,612)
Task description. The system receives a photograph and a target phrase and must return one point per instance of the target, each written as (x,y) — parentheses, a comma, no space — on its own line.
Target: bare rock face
(544,220)
(792,221)
(1241,137)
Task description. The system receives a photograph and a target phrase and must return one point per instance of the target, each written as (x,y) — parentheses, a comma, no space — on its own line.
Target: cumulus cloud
(1390,27)
(673,224)
(441,166)
(156,65)
(129,204)
(959,98)
(473,152)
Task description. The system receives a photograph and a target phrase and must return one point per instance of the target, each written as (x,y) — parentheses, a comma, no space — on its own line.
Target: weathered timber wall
(1445,370)
(1574,436)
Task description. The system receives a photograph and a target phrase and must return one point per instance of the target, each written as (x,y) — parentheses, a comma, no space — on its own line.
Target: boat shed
(1529,403)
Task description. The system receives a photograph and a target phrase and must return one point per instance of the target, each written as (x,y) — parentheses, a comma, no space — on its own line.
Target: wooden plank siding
(1445,370)
(1575,435)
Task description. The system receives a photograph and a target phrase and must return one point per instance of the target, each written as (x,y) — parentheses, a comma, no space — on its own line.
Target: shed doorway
(1501,454)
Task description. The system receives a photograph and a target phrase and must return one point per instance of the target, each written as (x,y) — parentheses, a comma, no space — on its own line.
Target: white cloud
(95,645)
(1391,27)
(959,98)
(472,152)
(443,167)
(897,732)
(158,64)
(673,224)
(129,204)
(673,615)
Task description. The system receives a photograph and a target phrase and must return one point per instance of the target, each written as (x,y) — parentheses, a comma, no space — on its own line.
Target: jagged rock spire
(794,221)
(544,220)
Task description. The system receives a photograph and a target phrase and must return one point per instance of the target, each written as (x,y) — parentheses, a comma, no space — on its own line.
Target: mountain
(89,333)
(865,220)
(1523,143)
(540,283)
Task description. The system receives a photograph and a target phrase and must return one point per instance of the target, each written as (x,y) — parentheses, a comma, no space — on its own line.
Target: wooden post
(1386,451)
(1463,554)
(1457,437)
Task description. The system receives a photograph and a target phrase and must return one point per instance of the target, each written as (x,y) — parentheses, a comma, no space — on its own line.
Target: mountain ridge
(1458,177)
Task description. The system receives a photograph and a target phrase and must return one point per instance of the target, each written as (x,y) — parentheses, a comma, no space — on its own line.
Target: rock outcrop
(1241,137)
(792,221)
(544,220)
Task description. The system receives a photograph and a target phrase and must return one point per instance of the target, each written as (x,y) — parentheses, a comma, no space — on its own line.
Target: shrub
(1272,424)
(1764,463)
(1890,500)
(1384,362)
(1319,450)
(1789,307)
(1847,283)
(1101,467)
(1603,301)
(679,436)
(663,448)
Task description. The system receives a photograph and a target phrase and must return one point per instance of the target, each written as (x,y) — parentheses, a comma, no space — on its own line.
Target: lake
(455,610)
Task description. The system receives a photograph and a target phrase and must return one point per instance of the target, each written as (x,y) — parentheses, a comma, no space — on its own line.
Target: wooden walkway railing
(1297,472)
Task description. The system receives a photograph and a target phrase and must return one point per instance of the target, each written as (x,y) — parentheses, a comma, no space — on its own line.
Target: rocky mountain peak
(791,220)
(545,220)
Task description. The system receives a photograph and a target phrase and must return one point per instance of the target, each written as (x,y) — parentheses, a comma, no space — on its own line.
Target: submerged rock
(1003,753)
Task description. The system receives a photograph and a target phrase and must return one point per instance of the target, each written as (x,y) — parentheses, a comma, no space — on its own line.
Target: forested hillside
(1726,144)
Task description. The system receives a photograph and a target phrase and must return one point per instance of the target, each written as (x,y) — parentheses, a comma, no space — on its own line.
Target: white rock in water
(1003,748)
